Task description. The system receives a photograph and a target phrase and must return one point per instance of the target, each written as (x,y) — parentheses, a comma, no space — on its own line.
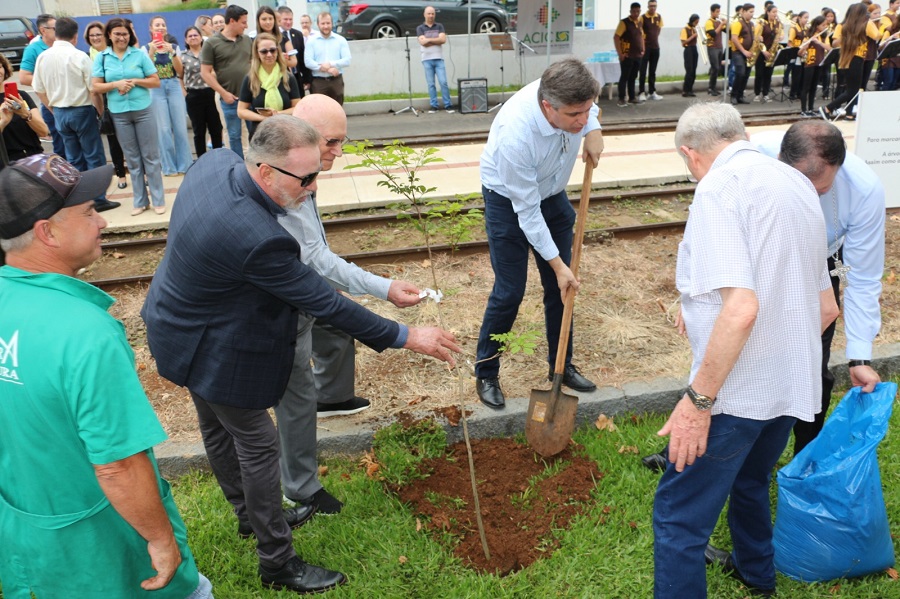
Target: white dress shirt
(63,73)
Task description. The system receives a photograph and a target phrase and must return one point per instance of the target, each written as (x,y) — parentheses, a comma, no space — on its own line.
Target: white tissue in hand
(435,295)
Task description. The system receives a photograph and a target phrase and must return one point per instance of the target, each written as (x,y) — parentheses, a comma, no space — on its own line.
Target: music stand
(501,42)
(784,57)
(891,50)
(830,60)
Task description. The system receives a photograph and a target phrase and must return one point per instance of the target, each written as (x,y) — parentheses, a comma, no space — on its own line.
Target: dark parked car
(15,34)
(366,19)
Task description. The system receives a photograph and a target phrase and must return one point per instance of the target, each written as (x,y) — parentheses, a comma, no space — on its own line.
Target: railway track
(623,128)
(357,225)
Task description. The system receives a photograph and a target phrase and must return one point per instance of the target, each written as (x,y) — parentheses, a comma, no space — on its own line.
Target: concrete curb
(342,436)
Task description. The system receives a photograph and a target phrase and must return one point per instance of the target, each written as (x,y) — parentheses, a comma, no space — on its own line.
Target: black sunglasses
(268,50)
(305,180)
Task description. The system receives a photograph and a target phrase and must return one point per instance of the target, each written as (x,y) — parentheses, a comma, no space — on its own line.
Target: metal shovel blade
(550,419)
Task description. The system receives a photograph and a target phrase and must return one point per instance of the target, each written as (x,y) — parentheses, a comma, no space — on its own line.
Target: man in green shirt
(83,510)
(224,62)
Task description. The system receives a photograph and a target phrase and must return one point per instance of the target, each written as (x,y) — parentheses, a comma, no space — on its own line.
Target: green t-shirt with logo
(70,399)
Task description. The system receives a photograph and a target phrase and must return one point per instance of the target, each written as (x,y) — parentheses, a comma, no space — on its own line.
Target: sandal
(137,211)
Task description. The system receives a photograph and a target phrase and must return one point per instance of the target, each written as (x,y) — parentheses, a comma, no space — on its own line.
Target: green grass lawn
(607,553)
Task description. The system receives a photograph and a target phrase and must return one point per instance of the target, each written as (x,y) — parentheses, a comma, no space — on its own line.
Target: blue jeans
(436,67)
(59,147)
(233,124)
(509,258)
(738,462)
(203,590)
(171,118)
(80,132)
(136,132)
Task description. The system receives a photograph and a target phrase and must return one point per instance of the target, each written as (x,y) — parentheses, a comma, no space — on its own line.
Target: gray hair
(17,244)
(277,136)
(567,83)
(705,125)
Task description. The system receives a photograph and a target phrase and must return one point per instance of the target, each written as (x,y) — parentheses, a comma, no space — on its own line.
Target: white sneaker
(642,97)
(432,111)
(449,111)
(766,99)
(840,112)
(655,96)
(757,99)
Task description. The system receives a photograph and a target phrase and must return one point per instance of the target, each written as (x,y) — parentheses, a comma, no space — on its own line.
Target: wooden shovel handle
(569,306)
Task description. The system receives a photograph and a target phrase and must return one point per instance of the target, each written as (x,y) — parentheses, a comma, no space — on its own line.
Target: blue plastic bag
(831,521)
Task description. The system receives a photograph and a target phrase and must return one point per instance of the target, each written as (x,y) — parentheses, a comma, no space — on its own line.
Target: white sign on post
(878,139)
(535,15)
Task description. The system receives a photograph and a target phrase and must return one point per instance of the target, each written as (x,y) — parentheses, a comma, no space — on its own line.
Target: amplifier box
(473,95)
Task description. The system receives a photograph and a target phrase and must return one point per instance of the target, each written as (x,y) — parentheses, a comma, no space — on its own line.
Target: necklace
(840,270)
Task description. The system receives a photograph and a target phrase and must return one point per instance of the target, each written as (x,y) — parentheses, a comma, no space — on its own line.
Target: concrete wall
(379,66)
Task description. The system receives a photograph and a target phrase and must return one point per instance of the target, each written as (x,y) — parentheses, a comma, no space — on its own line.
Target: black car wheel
(487,25)
(385,29)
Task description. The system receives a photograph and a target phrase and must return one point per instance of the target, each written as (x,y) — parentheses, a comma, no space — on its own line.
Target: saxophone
(755,49)
(773,49)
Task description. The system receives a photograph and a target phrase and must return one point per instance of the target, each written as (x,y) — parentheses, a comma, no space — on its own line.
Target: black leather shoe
(295,517)
(490,393)
(300,577)
(107,205)
(655,462)
(743,101)
(722,558)
(573,380)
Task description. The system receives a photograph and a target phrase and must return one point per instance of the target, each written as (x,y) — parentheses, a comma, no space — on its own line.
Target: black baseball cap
(37,187)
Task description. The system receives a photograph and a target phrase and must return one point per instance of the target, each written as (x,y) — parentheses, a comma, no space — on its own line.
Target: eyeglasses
(114,34)
(268,50)
(48,27)
(331,143)
(305,180)
(95,35)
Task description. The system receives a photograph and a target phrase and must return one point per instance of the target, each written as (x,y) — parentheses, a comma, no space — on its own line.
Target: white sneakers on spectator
(642,97)
(654,96)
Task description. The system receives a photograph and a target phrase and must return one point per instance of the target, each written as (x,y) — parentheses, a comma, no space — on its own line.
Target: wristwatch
(853,363)
(701,402)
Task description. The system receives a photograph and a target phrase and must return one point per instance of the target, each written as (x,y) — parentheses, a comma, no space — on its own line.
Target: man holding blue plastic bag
(755,298)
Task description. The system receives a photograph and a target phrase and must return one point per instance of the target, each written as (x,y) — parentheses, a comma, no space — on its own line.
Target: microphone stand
(522,47)
(409,108)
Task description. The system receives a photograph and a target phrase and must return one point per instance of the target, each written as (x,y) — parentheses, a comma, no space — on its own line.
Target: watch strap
(853,363)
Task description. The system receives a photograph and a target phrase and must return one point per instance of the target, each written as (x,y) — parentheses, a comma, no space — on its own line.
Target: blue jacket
(221,312)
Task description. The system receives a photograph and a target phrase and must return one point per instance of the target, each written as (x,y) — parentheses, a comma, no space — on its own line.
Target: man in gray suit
(332,350)
(222,318)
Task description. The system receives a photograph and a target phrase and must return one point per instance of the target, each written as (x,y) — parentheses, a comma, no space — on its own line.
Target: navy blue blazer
(221,312)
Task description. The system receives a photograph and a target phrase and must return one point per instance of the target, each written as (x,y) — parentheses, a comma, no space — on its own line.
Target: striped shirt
(755,223)
(527,160)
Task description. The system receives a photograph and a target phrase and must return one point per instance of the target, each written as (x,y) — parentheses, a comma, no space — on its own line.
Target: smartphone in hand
(10,89)
(265,111)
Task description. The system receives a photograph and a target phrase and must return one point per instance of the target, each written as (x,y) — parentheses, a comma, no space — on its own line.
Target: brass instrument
(701,35)
(755,49)
(776,43)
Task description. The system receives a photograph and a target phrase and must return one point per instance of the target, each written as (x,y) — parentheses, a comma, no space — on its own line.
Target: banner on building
(546,21)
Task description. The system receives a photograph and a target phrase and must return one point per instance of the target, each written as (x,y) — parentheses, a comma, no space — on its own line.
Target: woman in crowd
(205,26)
(218,23)
(796,37)
(20,121)
(830,25)
(769,31)
(814,48)
(266,22)
(200,99)
(269,88)
(168,100)
(96,40)
(689,43)
(126,74)
(852,37)
(872,44)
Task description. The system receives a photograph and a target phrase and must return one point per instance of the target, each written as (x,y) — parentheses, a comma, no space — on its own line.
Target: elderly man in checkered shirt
(755,299)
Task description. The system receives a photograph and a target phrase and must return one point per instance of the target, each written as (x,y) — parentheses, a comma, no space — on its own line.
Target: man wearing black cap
(80,484)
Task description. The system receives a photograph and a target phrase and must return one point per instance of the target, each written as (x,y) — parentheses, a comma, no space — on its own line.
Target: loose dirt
(522,503)
(623,330)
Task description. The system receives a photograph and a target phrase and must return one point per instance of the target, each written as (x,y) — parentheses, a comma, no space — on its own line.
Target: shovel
(551,414)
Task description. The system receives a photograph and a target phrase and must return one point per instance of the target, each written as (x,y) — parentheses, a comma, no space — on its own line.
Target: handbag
(107,127)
